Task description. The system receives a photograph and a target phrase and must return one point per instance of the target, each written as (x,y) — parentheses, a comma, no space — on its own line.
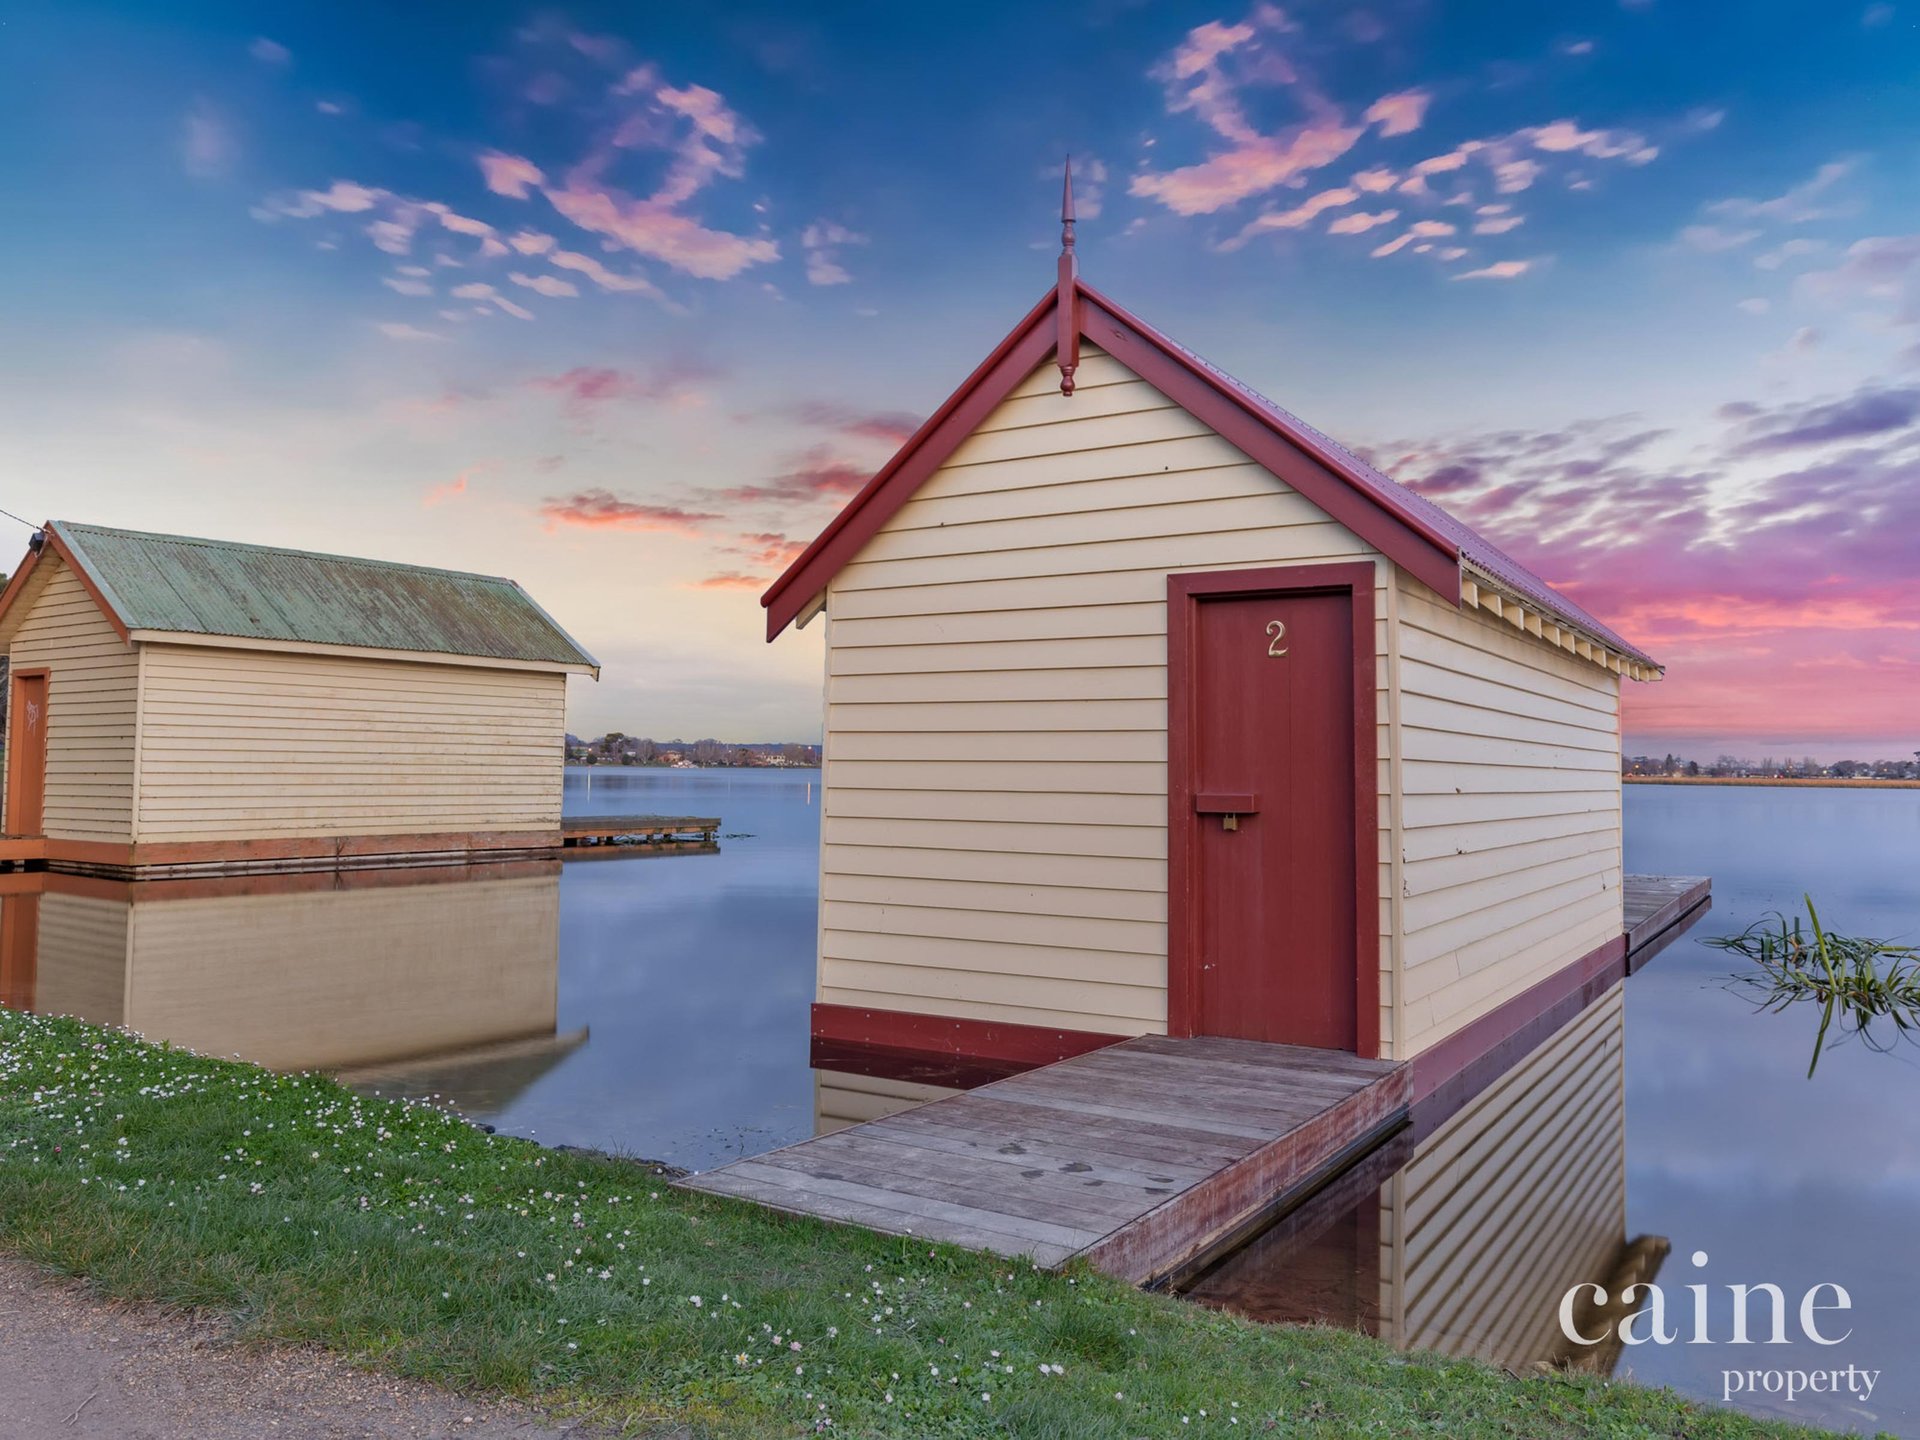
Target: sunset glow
(627,304)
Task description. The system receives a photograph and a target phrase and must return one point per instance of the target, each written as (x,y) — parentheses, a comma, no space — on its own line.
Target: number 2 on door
(1276,632)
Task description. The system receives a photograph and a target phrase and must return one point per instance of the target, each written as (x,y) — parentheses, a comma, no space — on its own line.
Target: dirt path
(76,1367)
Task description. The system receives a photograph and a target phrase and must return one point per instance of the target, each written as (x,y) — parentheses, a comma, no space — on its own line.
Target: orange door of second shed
(1273,794)
(27,754)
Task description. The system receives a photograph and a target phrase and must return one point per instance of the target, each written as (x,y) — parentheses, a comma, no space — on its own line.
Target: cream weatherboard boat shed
(183,702)
(1149,708)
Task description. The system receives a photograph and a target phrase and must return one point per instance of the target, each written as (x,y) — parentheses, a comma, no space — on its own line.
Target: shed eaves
(180,585)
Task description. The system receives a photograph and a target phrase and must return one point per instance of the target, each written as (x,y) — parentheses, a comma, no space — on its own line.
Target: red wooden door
(1272,756)
(27,754)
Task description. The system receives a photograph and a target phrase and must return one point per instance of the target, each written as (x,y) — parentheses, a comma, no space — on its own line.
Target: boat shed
(1152,709)
(192,704)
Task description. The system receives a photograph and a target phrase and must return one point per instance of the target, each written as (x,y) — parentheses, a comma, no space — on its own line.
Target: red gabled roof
(1406,527)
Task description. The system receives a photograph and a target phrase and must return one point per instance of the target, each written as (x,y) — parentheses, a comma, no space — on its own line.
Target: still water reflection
(658,1007)
(651,1006)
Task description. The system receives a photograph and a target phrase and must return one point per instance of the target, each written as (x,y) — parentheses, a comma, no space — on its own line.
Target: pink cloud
(819,474)
(1401,113)
(822,242)
(1297,218)
(1512,176)
(552,286)
(585,388)
(1565,136)
(1376,180)
(599,509)
(1361,221)
(1204,77)
(600,275)
(1771,566)
(452,489)
(399,330)
(1258,165)
(509,175)
(1499,270)
(891,427)
(656,230)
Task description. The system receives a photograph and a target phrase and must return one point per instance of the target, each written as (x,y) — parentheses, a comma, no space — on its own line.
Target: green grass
(412,1242)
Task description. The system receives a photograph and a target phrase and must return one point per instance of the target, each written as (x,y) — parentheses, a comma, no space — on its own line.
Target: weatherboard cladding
(178,585)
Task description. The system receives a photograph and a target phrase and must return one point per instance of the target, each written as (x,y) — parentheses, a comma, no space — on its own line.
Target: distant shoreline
(1830,783)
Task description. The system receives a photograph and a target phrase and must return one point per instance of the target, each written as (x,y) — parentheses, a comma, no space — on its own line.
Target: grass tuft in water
(1855,981)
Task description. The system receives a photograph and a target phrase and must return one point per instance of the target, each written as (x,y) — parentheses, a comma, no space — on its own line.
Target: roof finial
(1066,209)
(1067,301)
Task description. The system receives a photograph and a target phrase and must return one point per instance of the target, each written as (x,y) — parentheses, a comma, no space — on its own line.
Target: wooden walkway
(595,830)
(1137,1157)
(1659,909)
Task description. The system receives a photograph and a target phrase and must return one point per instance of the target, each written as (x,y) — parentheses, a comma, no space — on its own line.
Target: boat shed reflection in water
(448,971)
(1481,1222)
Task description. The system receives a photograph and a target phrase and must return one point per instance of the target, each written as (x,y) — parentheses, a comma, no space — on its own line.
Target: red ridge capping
(1012,360)
(1420,550)
(1412,531)
(952,1037)
(1402,538)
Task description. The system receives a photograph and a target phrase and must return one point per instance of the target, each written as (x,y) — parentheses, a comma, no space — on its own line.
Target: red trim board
(951,1036)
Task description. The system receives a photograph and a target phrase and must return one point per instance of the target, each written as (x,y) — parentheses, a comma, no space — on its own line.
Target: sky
(624,301)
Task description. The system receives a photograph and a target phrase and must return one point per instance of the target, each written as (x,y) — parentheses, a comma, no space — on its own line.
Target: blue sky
(623,301)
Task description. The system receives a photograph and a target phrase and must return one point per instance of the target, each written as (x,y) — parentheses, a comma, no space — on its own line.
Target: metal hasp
(1066,349)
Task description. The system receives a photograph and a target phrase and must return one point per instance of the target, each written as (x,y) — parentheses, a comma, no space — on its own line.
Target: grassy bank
(413,1242)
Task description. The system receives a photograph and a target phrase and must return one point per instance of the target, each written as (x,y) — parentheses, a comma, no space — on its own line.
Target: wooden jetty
(1149,1155)
(1659,908)
(1134,1157)
(591,831)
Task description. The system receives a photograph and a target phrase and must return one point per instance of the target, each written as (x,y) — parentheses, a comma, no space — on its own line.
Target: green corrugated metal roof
(185,586)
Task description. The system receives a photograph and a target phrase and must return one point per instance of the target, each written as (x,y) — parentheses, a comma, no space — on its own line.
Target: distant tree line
(617,748)
(1734,767)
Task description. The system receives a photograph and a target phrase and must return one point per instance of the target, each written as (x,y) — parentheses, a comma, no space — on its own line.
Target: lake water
(658,1007)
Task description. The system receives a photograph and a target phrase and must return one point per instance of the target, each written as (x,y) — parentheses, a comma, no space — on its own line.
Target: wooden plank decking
(1658,909)
(582,830)
(1140,1157)
(1137,1156)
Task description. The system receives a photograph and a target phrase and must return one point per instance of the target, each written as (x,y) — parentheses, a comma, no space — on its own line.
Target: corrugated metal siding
(90,706)
(241,744)
(208,587)
(995,799)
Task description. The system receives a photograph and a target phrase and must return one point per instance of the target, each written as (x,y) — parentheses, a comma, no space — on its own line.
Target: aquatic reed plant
(1855,981)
